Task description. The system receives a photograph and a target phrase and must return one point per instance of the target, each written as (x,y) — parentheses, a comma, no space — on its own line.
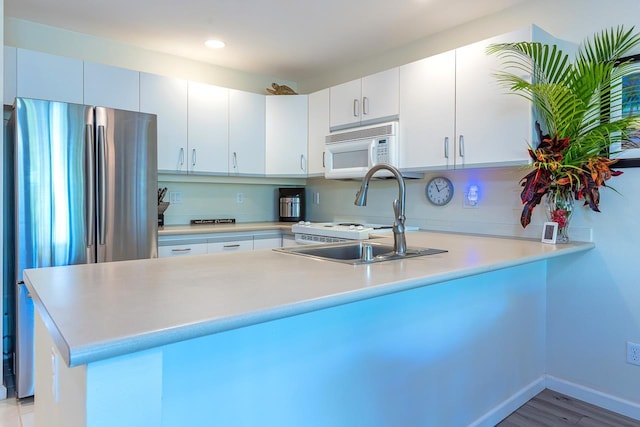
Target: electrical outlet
(633,353)
(239,198)
(175,197)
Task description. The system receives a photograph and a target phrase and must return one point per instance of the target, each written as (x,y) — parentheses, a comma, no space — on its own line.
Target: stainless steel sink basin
(356,252)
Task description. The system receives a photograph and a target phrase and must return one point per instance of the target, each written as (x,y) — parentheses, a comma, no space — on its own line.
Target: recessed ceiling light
(214,44)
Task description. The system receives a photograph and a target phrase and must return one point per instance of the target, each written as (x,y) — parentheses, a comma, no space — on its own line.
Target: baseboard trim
(504,409)
(595,397)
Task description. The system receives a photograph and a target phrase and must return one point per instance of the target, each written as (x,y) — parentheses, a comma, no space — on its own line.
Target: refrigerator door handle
(20,284)
(90,185)
(102,185)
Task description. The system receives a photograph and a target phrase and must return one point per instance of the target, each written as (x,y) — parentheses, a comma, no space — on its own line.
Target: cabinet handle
(235,160)
(181,250)
(181,157)
(365,105)
(193,157)
(356,111)
(446,147)
(237,245)
(302,161)
(461,145)
(323,156)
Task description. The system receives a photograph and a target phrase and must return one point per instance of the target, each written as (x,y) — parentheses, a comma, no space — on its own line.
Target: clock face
(439,191)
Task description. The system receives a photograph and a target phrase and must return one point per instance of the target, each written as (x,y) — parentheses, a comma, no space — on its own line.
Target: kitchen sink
(356,252)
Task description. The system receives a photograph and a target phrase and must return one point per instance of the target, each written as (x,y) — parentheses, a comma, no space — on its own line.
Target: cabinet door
(270,243)
(111,87)
(167,97)
(286,129)
(345,104)
(208,129)
(246,133)
(50,77)
(318,130)
(380,96)
(10,75)
(492,126)
(427,108)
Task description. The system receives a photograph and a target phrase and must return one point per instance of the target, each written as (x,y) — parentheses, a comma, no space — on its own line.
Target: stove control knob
(301,222)
(307,223)
(352,227)
(360,227)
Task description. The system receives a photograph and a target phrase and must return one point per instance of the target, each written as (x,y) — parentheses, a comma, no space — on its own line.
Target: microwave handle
(373,153)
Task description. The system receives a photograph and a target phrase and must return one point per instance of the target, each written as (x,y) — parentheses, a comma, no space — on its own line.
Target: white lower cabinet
(182,249)
(288,240)
(179,245)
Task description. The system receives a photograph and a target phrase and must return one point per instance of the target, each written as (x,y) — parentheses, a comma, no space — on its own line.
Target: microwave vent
(370,132)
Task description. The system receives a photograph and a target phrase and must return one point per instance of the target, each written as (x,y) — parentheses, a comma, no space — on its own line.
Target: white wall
(202,200)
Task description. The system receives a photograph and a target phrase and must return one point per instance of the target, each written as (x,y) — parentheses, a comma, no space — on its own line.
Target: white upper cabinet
(208,129)
(167,97)
(111,87)
(247,115)
(492,127)
(364,101)
(50,77)
(318,130)
(427,110)
(10,82)
(286,130)
(455,114)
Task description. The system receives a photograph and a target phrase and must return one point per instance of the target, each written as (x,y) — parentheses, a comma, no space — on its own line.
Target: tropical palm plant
(578,105)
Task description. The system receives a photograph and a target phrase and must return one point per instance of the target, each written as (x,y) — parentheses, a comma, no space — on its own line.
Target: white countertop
(98,311)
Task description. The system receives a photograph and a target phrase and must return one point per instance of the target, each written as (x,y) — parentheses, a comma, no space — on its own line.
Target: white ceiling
(288,39)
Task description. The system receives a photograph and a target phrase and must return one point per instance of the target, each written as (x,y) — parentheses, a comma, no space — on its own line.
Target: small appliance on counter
(291,202)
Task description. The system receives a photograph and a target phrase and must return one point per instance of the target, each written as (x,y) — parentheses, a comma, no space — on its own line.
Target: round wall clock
(439,190)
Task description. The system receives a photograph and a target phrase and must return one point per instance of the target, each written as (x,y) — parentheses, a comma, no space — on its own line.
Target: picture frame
(627,151)
(549,232)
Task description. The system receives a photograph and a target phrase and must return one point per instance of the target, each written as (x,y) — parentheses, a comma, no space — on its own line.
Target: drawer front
(181,250)
(231,246)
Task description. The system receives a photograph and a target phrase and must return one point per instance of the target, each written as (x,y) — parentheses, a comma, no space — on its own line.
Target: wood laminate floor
(551,409)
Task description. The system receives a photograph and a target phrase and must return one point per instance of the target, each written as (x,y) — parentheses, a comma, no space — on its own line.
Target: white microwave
(351,153)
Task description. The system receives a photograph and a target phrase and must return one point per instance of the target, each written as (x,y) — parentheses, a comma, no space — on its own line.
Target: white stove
(331,232)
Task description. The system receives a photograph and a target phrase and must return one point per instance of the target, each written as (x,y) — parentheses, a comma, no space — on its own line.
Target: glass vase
(559,207)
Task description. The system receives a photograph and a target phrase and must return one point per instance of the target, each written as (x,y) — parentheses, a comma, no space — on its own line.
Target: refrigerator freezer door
(127,186)
(50,204)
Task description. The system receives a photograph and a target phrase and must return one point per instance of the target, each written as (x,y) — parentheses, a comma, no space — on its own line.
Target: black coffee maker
(291,204)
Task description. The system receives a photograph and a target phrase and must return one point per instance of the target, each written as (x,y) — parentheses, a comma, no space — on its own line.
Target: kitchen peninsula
(274,339)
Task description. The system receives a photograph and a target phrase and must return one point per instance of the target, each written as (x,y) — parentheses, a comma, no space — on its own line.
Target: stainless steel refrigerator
(85,191)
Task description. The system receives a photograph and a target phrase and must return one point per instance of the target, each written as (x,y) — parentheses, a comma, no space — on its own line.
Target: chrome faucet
(399,240)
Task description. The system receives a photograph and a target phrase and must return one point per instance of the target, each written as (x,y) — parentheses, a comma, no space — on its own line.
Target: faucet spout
(399,239)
